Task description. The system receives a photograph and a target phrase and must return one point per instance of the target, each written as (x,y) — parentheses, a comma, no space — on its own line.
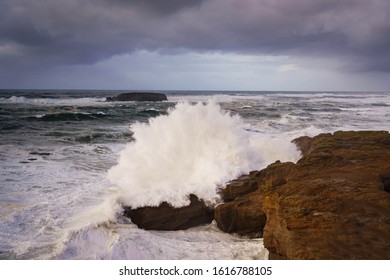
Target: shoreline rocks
(166,217)
(138,96)
(332,204)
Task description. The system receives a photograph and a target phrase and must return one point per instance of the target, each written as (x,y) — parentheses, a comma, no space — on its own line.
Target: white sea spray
(194,149)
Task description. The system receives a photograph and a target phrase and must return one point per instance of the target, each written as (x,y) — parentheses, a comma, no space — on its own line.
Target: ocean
(70,161)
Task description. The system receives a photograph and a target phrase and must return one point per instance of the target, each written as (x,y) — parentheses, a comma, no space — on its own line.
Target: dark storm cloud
(47,33)
(157,6)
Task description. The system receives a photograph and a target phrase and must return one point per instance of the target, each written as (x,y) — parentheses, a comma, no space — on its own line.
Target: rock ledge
(334,203)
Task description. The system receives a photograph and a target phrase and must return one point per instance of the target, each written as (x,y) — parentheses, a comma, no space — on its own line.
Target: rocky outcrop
(237,214)
(166,217)
(334,203)
(138,96)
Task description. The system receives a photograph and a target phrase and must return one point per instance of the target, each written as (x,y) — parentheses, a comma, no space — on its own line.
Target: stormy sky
(195,44)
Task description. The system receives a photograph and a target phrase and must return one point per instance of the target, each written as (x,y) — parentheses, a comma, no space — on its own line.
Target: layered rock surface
(334,203)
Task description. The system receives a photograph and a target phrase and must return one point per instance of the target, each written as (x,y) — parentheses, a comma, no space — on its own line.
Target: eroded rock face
(332,204)
(166,217)
(244,216)
(138,96)
(303,143)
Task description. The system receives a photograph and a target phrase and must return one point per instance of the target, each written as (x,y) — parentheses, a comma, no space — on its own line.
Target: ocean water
(70,160)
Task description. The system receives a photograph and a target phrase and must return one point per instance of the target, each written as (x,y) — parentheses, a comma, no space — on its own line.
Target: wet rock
(40,153)
(239,187)
(240,216)
(332,204)
(138,96)
(303,143)
(167,217)
(385,178)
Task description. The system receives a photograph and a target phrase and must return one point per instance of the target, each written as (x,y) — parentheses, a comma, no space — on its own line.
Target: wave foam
(193,149)
(85,101)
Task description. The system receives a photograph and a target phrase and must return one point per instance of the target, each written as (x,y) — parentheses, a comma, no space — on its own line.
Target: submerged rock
(40,153)
(334,203)
(138,96)
(167,217)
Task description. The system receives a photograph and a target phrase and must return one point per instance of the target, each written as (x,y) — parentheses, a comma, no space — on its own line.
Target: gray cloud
(157,6)
(41,34)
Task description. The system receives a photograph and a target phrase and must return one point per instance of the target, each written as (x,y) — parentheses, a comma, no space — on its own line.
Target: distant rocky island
(334,203)
(138,96)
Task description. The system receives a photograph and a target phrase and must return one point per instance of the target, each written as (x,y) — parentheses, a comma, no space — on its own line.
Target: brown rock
(240,216)
(385,178)
(241,186)
(333,204)
(167,217)
(303,143)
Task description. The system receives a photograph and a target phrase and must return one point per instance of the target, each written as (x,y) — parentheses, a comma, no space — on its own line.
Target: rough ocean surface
(62,152)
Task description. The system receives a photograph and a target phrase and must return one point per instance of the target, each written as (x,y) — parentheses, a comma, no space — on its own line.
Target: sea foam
(194,149)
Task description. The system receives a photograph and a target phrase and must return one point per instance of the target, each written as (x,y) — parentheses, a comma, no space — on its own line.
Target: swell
(69,116)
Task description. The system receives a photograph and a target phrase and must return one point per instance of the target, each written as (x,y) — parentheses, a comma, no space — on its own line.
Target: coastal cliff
(334,203)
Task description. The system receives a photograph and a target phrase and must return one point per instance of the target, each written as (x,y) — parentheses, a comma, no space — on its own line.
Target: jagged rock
(332,204)
(138,96)
(242,211)
(303,143)
(239,216)
(166,217)
(243,185)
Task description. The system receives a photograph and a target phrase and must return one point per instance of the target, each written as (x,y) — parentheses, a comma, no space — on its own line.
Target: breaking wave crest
(194,149)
